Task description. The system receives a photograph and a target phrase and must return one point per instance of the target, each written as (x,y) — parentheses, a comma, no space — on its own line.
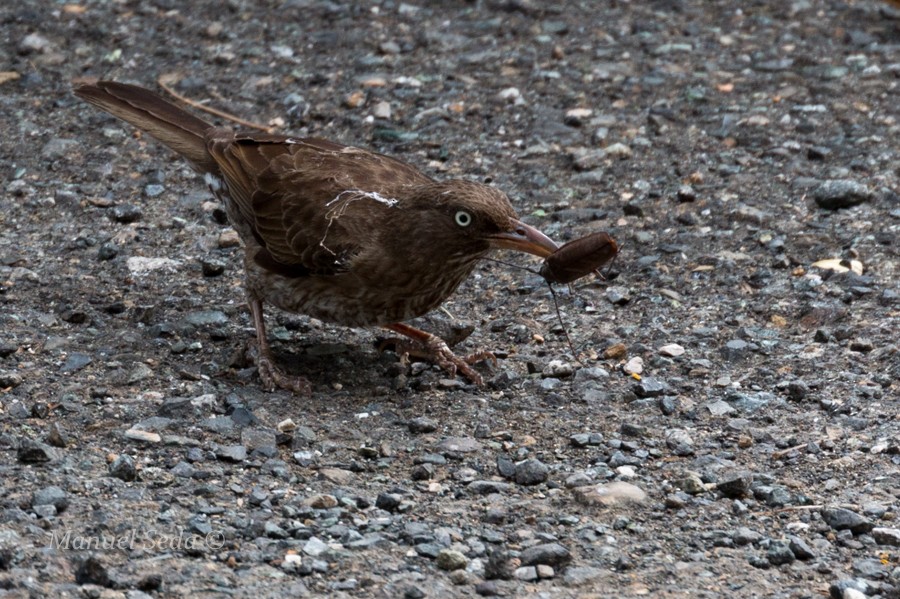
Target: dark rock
(531,472)
(799,548)
(499,566)
(841,193)
(551,554)
(123,468)
(745,536)
(107,251)
(505,467)
(487,588)
(35,452)
(735,350)
(126,213)
(649,387)
(836,589)
(51,496)
(388,502)
(843,519)
(486,487)
(231,453)
(679,442)
(422,424)
(779,553)
(736,485)
(887,536)
(93,571)
(211,268)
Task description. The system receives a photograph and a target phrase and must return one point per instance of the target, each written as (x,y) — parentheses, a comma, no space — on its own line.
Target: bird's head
(467,219)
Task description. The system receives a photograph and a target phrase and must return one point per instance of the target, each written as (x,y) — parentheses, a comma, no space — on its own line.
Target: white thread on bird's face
(340,204)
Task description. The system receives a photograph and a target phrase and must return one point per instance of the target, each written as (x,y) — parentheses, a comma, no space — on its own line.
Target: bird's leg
(271,376)
(431,347)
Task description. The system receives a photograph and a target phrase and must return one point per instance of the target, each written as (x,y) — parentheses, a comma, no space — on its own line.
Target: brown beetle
(579,258)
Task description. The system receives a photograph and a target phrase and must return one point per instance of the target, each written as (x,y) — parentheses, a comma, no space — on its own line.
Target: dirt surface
(732,430)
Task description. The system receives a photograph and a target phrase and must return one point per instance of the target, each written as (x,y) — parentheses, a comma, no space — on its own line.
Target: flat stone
(315,547)
(551,554)
(843,519)
(422,424)
(736,485)
(611,494)
(338,476)
(841,193)
(458,445)
(52,495)
(231,453)
(321,502)
(35,452)
(526,573)
(671,350)
(486,487)
(886,536)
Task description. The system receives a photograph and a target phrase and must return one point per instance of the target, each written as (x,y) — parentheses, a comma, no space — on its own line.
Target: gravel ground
(731,429)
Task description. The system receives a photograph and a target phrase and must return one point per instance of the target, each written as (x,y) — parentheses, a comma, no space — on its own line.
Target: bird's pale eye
(463,218)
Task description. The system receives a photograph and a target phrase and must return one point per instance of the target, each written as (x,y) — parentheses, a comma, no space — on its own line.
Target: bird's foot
(273,377)
(431,348)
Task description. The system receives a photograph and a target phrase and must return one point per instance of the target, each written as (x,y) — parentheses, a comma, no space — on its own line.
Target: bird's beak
(523,238)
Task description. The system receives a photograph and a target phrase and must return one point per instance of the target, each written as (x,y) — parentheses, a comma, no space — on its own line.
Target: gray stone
(551,554)
(531,472)
(680,442)
(745,536)
(841,193)
(458,445)
(800,549)
(486,487)
(735,350)
(526,573)
(736,485)
(779,553)
(123,468)
(843,519)
(75,361)
(231,453)
(52,495)
(839,589)
(449,560)
(388,502)
(577,576)
(422,424)
(315,547)
(886,536)
(35,452)
(206,317)
(649,387)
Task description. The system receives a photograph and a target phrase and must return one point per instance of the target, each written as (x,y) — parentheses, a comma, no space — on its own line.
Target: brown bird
(333,231)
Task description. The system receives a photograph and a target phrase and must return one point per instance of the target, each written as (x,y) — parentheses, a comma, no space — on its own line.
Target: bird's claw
(273,378)
(435,350)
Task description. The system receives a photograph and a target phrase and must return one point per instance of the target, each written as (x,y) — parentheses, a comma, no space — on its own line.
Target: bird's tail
(177,128)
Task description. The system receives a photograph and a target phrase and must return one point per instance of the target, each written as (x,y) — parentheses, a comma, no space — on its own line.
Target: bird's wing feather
(300,196)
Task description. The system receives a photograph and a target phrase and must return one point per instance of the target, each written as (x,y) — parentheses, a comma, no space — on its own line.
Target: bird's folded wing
(311,203)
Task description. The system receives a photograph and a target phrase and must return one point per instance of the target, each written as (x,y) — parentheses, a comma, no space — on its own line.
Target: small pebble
(123,468)
(450,560)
